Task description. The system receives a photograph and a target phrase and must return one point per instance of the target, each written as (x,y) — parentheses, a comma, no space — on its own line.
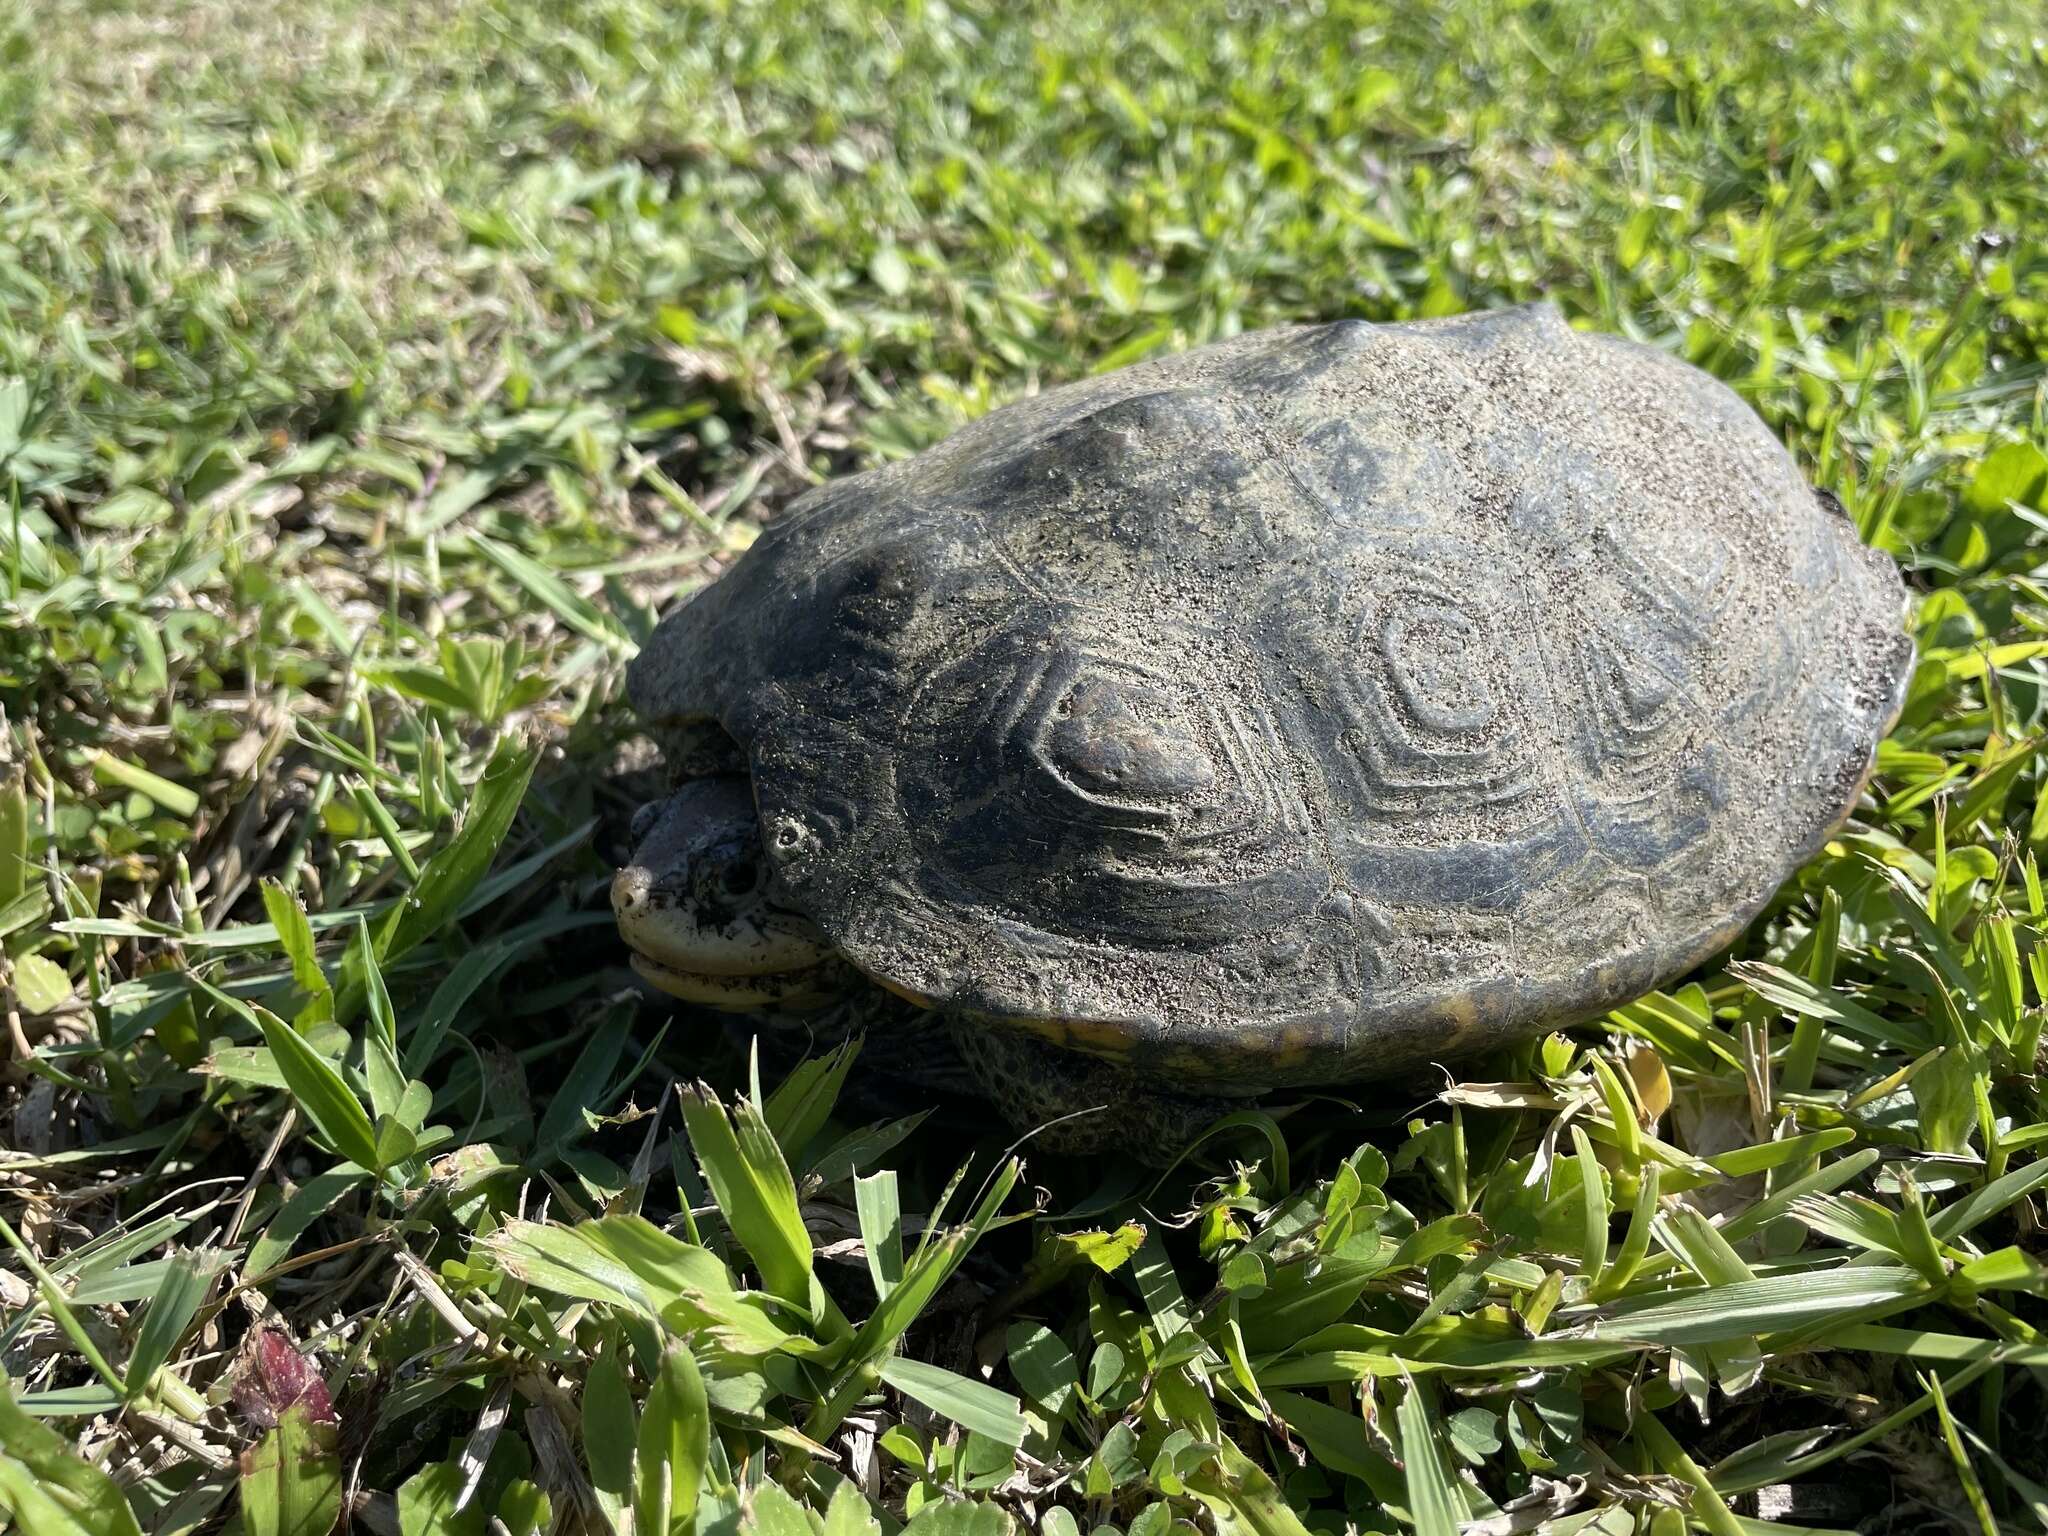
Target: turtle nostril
(629,891)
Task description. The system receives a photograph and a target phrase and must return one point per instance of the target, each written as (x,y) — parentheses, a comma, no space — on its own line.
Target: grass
(372,372)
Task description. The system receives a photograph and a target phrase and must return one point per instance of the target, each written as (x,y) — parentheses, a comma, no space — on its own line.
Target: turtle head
(699,908)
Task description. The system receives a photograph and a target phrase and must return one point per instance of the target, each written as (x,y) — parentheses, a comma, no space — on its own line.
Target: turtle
(1308,707)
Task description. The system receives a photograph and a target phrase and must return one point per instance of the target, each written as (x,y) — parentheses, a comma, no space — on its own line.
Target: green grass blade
(320,1092)
(453,872)
(1966,1474)
(171,1310)
(1598,1213)
(17,874)
(1773,1304)
(118,773)
(674,1447)
(1801,998)
(554,594)
(970,1404)
(1239,1491)
(1964,1216)
(49,1487)
(802,1102)
(752,1185)
(1708,1507)
(881,1229)
(381,1071)
(295,934)
(610,1429)
(314,1198)
(379,816)
(290,1484)
(1435,1507)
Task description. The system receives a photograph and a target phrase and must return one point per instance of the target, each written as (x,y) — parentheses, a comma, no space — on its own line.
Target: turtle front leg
(1086,1105)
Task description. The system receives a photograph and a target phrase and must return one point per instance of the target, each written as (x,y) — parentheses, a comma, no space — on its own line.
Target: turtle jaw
(698,907)
(783,991)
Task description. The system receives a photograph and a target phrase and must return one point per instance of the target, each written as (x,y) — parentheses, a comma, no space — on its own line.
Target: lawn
(374,372)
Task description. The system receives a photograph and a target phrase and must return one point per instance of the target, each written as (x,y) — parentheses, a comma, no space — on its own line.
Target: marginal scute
(1305,705)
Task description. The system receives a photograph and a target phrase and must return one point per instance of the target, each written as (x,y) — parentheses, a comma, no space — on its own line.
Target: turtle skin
(1305,707)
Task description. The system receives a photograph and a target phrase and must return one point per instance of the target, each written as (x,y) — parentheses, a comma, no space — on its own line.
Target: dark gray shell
(1307,705)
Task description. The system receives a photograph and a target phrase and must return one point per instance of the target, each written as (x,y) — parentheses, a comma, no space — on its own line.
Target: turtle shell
(1306,705)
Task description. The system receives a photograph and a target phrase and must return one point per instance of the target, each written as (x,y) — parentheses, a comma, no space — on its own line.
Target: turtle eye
(742,877)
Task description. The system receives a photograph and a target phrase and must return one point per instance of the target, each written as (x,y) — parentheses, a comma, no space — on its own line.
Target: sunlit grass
(373,372)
